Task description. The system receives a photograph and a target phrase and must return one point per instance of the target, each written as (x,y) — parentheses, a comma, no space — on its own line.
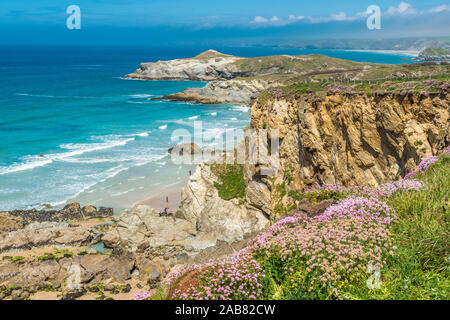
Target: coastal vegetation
(231,183)
(325,225)
(434,53)
(389,242)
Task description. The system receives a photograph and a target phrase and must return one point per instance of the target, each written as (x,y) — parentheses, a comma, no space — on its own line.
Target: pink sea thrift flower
(144,295)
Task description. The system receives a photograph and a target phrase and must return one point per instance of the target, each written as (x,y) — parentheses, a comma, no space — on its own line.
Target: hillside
(240,80)
(358,207)
(391,242)
(435,54)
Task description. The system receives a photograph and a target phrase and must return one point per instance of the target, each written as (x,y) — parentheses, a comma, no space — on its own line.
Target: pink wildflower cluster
(177,273)
(423,166)
(358,207)
(331,252)
(326,187)
(237,279)
(339,88)
(385,190)
(280,226)
(389,188)
(143,295)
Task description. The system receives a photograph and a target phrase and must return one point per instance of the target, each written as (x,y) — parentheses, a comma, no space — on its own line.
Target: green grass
(420,267)
(435,51)
(231,183)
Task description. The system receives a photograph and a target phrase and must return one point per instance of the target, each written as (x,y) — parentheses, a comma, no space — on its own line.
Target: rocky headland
(340,123)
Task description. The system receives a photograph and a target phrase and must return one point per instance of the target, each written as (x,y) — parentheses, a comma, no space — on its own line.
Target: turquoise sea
(72,130)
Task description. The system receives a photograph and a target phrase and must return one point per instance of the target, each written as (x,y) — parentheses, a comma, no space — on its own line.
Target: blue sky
(225,22)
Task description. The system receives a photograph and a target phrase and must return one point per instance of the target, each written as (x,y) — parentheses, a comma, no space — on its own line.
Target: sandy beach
(412,53)
(159,201)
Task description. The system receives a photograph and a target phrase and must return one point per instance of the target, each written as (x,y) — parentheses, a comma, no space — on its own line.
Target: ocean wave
(139,96)
(143,134)
(136,102)
(24,166)
(241,108)
(76,149)
(51,96)
(81,148)
(213,114)
(193,118)
(164,127)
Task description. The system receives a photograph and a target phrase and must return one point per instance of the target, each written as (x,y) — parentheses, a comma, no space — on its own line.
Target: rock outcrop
(227,220)
(72,211)
(231,91)
(144,224)
(210,65)
(345,139)
(39,234)
(239,80)
(202,219)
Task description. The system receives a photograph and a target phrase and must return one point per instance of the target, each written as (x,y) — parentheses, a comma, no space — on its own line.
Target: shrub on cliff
(385,243)
(231,180)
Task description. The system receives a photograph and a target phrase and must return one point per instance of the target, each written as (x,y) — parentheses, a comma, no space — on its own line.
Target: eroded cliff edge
(345,138)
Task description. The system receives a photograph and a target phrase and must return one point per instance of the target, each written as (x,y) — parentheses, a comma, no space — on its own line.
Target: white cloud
(341,16)
(440,8)
(402,8)
(259,19)
(275,20)
(294,17)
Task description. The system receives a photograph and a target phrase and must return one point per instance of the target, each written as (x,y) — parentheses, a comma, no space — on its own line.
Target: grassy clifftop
(286,64)
(434,52)
(385,243)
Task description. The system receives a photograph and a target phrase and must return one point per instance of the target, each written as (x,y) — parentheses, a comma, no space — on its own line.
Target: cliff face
(226,220)
(345,139)
(230,91)
(210,65)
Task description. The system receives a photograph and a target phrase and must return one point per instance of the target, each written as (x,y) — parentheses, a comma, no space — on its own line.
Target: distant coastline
(122,163)
(412,53)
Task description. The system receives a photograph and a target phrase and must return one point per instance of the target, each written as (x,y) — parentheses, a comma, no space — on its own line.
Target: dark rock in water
(105,212)
(185,148)
(89,211)
(71,211)
(72,208)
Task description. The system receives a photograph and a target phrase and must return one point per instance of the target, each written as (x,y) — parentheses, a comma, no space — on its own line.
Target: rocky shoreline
(365,133)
